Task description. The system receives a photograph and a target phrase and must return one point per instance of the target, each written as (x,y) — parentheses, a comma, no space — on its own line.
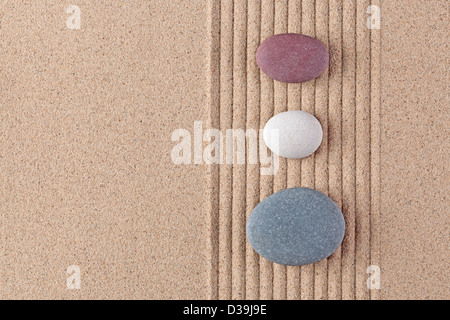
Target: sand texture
(343,166)
(87,178)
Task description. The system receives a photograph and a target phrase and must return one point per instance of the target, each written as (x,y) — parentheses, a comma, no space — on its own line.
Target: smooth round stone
(293,134)
(292,58)
(296,227)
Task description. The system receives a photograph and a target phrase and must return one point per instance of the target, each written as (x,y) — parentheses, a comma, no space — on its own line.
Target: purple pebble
(292,58)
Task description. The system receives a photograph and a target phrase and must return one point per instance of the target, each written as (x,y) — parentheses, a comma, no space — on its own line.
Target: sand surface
(86,173)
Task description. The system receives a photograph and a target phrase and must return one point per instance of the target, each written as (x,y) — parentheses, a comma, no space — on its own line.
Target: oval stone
(292,58)
(293,134)
(296,227)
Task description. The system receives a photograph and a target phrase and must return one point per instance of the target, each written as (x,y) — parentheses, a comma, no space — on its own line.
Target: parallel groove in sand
(267,108)
(226,170)
(253,122)
(239,171)
(280,179)
(308,165)
(348,148)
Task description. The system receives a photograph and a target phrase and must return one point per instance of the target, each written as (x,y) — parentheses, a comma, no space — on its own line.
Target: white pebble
(293,134)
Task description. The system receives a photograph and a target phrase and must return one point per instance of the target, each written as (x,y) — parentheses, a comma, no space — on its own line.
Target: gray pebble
(296,227)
